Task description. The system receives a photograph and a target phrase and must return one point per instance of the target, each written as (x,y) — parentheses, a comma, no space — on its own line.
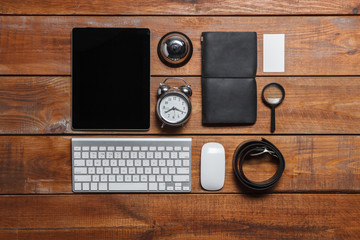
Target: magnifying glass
(272,95)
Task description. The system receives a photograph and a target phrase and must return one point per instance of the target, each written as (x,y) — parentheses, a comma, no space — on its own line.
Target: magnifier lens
(273,94)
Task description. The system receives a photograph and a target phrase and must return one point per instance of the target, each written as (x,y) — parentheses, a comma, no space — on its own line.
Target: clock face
(174,108)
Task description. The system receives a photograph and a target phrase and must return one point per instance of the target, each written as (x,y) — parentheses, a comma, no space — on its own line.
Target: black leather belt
(255,148)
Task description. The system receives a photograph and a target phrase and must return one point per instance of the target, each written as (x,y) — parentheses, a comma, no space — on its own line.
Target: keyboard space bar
(127,186)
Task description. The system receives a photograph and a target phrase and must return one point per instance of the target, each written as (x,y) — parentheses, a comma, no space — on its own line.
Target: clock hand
(169,110)
(178,110)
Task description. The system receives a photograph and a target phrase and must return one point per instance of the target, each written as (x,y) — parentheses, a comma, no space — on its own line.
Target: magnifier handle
(272,119)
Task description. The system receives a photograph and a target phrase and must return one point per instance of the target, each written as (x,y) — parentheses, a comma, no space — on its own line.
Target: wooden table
(318,124)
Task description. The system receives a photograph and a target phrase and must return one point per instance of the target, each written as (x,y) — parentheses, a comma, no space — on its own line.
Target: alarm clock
(173,107)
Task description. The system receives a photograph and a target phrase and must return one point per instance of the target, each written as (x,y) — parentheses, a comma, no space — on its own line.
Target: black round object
(255,148)
(175,49)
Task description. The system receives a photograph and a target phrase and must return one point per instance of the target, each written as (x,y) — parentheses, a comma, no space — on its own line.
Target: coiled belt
(255,148)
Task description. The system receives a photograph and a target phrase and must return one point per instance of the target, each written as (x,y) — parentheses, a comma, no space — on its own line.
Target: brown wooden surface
(155,216)
(313,105)
(42,165)
(314,45)
(179,7)
(318,194)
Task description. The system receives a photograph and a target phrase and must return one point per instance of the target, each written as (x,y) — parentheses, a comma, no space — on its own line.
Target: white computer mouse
(212,166)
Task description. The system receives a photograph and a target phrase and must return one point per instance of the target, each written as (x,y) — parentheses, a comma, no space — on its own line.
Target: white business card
(274,53)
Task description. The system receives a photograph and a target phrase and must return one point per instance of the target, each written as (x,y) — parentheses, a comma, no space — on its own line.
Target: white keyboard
(131,164)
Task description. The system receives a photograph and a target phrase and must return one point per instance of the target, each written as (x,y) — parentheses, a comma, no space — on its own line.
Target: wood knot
(57,128)
(355,11)
(352,51)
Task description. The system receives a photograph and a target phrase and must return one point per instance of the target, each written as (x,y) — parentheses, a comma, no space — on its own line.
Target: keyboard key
(127,148)
(79,163)
(94,186)
(140,170)
(103,178)
(85,186)
(171,170)
(105,163)
(93,155)
(107,170)
(177,148)
(123,170)
(125,155)
(109,155)
(151,178)
(156,170)
(101,155)
(89,163)
(127,186)
(144,148)
(119,178)
(132,170)
(133,155)
(111,178)
(91,170)
(147,170)
(136,178)
(178,163)
(127,178)
(162,186)
(117,154)
(129,163)
(82,178)
(181,178)
(121,163)
(182,170)
(143,178)
(154,163)
(141,155)
(113,163)
(152,148)
(102,186)
(95,178)
(164,170)
(177,188)
(80,170)
(157,154)
(170,163)
(77,186)
(111,148)
(137,163)
(99,170)
(168,148)
(85,148)
(115,170)
(136,148)
(168,178)
(102,148)
(159,178)
(177,184)
(150,155)
(174,155)
(77,149)
(94,148)
(97,163)
(119,148)
(184,155)
(162,163)
(161,148)
(146,163)
(186,149)
(186,163)
(186,188)
(153,186)
(166,155)
(170,188)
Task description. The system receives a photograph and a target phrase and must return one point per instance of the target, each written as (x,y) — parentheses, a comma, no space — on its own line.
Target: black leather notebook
(229,62)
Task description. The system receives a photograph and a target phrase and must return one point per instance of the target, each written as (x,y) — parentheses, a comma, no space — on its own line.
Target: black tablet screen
(110,79)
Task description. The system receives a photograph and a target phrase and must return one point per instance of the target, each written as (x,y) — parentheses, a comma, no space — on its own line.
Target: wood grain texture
(313,105)
(157,216)
(42,164)
(314,45)
(178,7)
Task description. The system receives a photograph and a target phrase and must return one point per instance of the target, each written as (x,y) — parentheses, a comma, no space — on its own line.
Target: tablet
(110,79)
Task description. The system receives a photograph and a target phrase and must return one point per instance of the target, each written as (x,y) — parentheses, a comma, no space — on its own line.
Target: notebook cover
(229,62)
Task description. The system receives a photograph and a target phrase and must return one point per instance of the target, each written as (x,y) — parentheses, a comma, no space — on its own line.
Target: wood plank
(39,45)
(168,7)
(313,105)
(129,216)
(42,164)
